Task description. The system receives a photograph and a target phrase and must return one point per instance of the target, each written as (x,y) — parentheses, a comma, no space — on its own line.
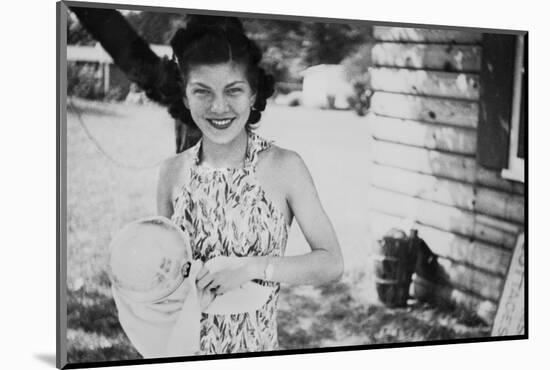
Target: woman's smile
(219,98)
(221,124)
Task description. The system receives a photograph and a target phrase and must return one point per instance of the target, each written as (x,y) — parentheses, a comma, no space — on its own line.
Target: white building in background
(107,71)
(325,86)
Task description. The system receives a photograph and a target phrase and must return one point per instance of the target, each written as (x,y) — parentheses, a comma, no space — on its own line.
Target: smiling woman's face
(219,98)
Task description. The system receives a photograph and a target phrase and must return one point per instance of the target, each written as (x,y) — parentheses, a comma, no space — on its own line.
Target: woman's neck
(229,155)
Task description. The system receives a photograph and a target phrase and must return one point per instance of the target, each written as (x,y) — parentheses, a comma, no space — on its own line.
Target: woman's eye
(234,90)
(201,92)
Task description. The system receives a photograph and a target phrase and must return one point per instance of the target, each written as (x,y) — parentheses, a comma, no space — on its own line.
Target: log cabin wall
(424,119)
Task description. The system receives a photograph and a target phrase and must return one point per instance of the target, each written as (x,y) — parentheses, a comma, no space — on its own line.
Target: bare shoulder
(281,159)
(176,162)
(172,170)
(171,165)
(287,168)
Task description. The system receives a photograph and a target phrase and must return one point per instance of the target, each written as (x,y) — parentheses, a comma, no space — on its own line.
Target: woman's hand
(228,273)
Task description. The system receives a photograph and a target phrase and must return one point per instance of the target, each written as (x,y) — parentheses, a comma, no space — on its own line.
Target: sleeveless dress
(226,213)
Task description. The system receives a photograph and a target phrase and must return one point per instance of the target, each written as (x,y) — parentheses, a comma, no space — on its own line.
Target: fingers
(221,289)
(205,280)
(220,282)
(202,272)
(224,288)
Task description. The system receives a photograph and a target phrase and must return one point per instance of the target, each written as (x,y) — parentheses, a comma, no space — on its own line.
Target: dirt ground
(112,155)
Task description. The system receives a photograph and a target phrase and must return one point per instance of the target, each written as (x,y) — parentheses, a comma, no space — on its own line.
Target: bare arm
(323,264)
(164,188)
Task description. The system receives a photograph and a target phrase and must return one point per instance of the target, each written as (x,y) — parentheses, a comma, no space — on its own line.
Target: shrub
(84,80)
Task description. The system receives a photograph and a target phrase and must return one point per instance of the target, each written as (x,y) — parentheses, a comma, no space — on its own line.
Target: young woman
(235,193)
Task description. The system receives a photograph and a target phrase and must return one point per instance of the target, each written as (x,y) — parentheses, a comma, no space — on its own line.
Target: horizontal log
(424,161)
(428,291)
(401,34)
(493,178)
(439,84)
(497,203)
(448,58)
(433,162)
(443,217)
(456,194)
(475,281)
(427,135)
(487,230)
(446,244)
(452,193)
(425,212)
(496,231)
(436,110)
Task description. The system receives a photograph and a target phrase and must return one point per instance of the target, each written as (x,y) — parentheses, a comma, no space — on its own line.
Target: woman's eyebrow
(196,83)
(200,84)
(235,83)
(205,85)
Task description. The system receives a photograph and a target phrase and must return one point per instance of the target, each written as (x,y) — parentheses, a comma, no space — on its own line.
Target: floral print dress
(226,213)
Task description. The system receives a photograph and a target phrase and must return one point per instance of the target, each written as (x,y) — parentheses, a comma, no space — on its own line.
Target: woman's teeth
(220,122)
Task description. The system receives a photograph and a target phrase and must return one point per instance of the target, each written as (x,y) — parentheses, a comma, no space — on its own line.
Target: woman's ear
(186,102)
(252,100)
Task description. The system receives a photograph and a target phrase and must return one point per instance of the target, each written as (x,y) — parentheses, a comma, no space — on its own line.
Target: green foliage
(283,44)
(291,46)
(357,64)
(155,27)
(76,33)
(288,46)
(332,42)
(82,81)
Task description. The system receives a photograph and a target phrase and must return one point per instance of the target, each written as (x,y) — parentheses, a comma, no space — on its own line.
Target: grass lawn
(111,186)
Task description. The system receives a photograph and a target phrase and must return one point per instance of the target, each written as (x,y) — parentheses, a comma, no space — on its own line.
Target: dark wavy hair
(208,40)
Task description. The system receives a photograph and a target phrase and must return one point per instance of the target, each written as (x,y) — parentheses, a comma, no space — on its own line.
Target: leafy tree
(332,42)
(291,46)
(283,44)
(357,63)
(76,34)
(288,46)
(155,27)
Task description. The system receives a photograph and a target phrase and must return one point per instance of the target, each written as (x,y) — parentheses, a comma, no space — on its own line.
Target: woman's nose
(219,104)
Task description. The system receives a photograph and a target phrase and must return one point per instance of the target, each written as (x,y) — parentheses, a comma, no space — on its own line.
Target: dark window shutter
(497,83)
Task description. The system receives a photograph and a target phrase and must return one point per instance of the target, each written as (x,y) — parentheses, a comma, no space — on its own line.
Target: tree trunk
(135,58)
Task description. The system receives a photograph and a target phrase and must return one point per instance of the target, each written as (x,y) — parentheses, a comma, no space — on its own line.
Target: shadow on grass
(94,333)
(92,312)
(308,317)
(330,316)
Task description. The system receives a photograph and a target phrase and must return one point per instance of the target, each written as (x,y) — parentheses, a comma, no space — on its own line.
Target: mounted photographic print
(236,184)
